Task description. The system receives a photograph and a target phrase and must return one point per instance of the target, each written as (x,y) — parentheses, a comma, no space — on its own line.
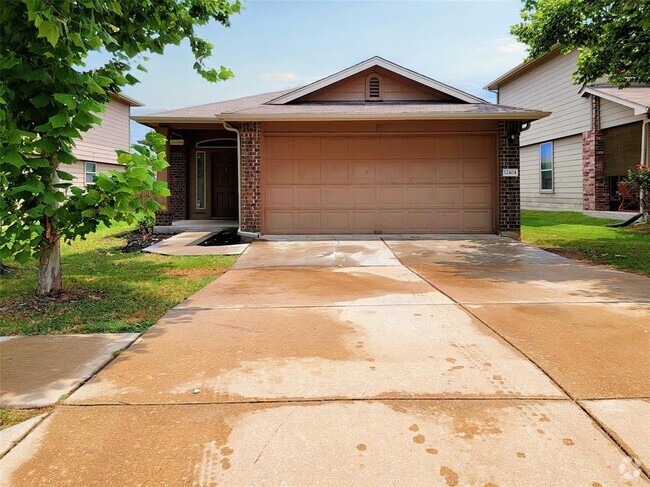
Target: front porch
(180,226)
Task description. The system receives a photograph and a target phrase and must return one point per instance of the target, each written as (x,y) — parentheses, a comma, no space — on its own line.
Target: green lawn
(579,236)
(106,290)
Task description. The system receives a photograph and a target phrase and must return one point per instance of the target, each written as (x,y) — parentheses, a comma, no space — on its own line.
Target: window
(546,167)
(200,180)
(90,172)
(373,88)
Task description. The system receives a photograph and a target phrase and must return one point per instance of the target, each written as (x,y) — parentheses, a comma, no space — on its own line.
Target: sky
(274,45)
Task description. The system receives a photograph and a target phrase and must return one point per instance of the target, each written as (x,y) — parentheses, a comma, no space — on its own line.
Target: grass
(579,236)
(106,290)
(10,417)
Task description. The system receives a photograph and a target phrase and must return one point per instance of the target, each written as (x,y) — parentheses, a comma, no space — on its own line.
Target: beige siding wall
(550,87)
(567,177)
(78,171)
(99,144)
(612,114)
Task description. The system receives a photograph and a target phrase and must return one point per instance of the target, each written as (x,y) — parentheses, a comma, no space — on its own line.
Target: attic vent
(373,88)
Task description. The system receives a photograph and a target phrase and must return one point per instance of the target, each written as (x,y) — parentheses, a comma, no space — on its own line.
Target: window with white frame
(200,180)
(546,167)
(90,171)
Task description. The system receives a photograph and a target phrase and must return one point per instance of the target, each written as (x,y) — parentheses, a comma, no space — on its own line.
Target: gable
(394,87)
(405,85)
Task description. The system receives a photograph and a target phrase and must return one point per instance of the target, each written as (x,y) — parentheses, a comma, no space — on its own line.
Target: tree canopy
(612,36)
(48,99)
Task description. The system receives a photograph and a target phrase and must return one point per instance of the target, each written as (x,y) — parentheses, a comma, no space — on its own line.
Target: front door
(224,184)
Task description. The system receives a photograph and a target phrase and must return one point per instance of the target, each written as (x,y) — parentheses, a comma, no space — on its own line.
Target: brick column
(177,182)
(595,185)
(251,193)
(509,209)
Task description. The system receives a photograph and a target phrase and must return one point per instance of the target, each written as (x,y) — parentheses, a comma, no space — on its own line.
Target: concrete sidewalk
(477,361)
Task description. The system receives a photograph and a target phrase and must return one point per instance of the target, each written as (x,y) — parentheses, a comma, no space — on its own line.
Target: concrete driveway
(448,361)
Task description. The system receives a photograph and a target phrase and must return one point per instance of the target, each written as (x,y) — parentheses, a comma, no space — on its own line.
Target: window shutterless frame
(546,167)
(90,171)
(200,180)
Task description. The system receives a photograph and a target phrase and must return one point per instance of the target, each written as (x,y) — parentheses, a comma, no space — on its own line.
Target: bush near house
(586,238)
(106,289)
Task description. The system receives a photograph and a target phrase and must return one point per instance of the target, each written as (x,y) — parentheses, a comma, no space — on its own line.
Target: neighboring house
(96,151)
(575,159)
(375,148)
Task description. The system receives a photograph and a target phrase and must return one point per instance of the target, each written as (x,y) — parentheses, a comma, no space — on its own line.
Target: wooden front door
(225,198)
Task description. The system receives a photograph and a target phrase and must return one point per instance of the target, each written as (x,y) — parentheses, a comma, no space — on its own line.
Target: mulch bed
(34,303)
(138,240)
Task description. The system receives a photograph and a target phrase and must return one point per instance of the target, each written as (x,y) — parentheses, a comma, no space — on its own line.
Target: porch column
(509,209)
(177,182)
(595,186)
(251,194)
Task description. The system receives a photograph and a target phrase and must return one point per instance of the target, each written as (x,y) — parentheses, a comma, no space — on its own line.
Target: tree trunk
(49,268)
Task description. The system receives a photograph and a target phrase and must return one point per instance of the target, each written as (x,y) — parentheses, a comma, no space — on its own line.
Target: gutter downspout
(230,128)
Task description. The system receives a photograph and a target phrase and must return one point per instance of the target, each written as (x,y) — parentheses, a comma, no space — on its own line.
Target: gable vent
(374,88)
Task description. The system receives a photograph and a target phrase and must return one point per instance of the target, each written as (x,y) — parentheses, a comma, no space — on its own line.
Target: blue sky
(274,45)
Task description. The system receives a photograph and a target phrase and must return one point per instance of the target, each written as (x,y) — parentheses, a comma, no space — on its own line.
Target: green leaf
(67,100)
(59,120)
(65,176)
(50,31)
(14,158)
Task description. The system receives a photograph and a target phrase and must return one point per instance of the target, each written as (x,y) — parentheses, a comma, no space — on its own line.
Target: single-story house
(375,148)
(576,158)
(95,153)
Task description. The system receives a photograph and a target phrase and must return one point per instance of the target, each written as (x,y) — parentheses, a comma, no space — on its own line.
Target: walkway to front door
(452,361)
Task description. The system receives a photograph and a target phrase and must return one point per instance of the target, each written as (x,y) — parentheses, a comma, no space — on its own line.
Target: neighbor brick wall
(509,209)
(250,138)
(177,182)
(595,185)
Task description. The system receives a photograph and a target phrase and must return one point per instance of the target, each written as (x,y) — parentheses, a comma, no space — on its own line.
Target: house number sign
(510,173)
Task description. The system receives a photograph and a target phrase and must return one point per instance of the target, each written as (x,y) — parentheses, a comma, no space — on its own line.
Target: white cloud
(508,45)
(279,77)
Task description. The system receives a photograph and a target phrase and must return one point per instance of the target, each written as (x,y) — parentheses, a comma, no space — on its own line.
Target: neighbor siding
(78,169)
(612,114)
(550,87)
(99,143)
(567,176)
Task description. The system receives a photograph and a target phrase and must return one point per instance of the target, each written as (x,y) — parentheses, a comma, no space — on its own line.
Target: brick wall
(250,177)
(509,210)
(595,185)
(177,182)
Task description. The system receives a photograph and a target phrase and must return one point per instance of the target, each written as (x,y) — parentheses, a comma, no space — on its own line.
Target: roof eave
(638,108)
(508,76)
(528,117)
(132,102)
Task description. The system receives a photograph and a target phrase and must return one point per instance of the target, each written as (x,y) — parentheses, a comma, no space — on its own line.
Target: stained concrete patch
(535,283)
(342,443)
(591,350)
(316,253)
(315,353)
(12,435)
(303,286)
(627,420)
(37,370)
(470,251)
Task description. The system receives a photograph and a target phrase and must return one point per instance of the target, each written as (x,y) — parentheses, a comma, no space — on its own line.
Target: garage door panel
(307,197)
(335,221)
(420,171)
(448,171)
(477,195)
(363,221)
(477,170)
(363,196)
(390,171)
(419,196)
(281,172)
(307,172)
(478,221)
(383,184)
(448,195)
(390,196)
(279,197)
(335,197)
(362,172)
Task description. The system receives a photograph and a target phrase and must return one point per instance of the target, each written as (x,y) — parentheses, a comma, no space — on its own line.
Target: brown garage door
(378,184)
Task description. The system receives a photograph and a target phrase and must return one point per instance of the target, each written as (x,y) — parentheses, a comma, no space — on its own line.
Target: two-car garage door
(378,184)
